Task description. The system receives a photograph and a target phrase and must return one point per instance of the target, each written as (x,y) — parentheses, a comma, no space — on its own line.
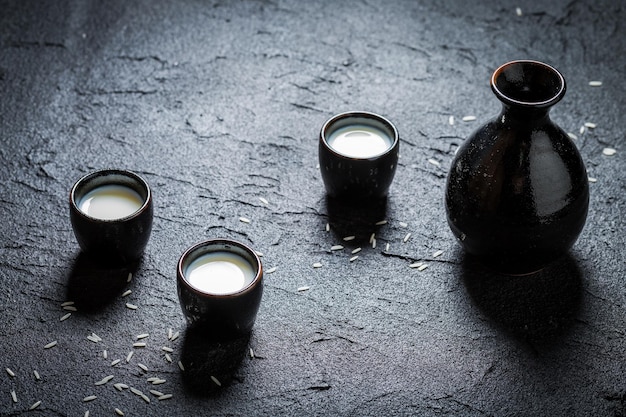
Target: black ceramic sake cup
(222,315)
(114,241)
(358,178)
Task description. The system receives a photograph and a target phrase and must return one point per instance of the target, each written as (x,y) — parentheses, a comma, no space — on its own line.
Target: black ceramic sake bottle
(517,192)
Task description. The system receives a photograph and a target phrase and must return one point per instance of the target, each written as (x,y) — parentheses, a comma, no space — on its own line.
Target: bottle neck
(527,116)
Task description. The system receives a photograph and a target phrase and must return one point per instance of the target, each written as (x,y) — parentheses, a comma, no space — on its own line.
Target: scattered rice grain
(170,332)
(50,345)
(37,376)
(139,345)
(581,130)
(167,349)
(142,366)
(126,293)
(317,265)
(142,336)
(328,227)
(86,413)
(609,151)
(336,247)
(406,238)
(10,372)
(131,306)
(115,362)
(168,358)
(89,398)
(357,250)
(354,258)
(217,382)
(129,356)
(381,222)
(595,83)
(14,396)
(65,317)
(592,179)
(518,11)
(437,254)
(305,288)
(374,244)
(244,220)
(130,277)
(271,270)
(403,224)
(67,303)
(259,254)
(165,397)
(387,247)
(93,339)
(158,381)
(175,336)
(180,365)
(349,238)
(264,201)
(451,120)
(70,308)
(37,404)
(251,353)
(105,354)
(590,125)
(572,136)
(156,393)
(372,237)
(104,380)
(422,267)
(469,118)
(120,387)
(416,264)
(434,162)
(119,412)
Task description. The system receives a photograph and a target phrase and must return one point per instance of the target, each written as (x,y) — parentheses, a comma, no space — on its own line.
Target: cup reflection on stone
(358,155)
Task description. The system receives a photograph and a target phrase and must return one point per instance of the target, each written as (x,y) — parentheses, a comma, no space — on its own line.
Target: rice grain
(301,289)
(65,317)
(609,151)
(10,372)
(50,345)
(595,83)
(143,367)
(119,412)
(37,404)
(217,382)
(437,254)
(14,396)
(317,265)
(336,247)
(165,397)
(244,220)
(89,398)
(469,118)
(131,306)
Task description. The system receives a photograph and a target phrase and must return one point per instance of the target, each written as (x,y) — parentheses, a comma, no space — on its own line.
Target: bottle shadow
(355,217)
(538,308)
(94,283)
(210,361)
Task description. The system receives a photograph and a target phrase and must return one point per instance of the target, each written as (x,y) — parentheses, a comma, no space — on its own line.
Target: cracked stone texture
(218,104)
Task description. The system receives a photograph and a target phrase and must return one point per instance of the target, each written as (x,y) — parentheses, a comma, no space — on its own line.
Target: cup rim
(217,242)
(364,115)
(507,99)
(109,172)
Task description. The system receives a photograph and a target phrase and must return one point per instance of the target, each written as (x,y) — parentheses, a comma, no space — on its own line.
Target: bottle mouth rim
(528,83)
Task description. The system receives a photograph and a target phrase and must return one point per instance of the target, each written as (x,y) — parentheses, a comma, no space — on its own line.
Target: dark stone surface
(219,103)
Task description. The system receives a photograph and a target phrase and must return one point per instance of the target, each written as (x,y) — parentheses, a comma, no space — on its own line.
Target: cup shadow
(538,307)
(355,217)
(210,360)
(94,283)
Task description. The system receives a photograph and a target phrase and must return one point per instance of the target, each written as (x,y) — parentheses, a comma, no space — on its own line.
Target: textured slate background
(219,103)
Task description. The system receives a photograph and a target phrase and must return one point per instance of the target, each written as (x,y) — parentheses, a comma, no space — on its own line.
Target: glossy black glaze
(357,178)
(118,241)
(517,192)
(222,315)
